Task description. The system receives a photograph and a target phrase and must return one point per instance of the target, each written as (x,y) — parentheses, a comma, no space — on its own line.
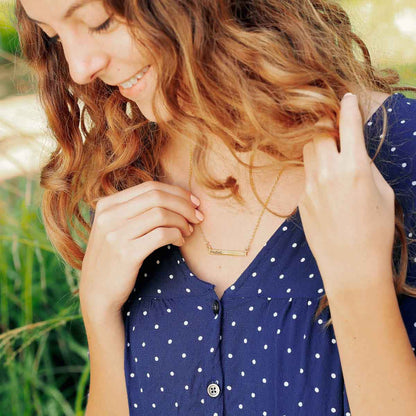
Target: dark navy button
(216,306)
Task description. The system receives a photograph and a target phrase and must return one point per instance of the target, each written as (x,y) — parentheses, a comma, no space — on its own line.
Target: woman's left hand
(347,209)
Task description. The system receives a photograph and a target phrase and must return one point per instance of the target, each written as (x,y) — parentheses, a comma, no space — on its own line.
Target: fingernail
(191,228)
(199,215)
(347,94)
(195,200)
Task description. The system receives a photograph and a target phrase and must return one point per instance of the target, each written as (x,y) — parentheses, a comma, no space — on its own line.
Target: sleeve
(397,163)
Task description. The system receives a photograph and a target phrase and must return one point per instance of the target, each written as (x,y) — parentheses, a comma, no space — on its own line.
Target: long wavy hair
(259,74)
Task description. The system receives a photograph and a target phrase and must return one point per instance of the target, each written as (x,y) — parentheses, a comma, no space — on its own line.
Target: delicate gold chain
(244,252)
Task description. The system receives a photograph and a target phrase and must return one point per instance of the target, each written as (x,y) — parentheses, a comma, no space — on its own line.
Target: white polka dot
(228,387)
(211,349)
(333,375)
(148,375)
(253,395)
(171,276)
(294,316)
(159,291)
(232,287)
(172,373)
(156,358)
(253,361)
(243,373)
(156,326)
(393,149)
(254,274)
(259,328)
(278,332)
(272,259)
(200,338)
(316,390)
(320,290)
(289,350)
(186,387)
(131,375)
(185,323)
(199,369)
(162,389)
(240,406)
(311,276)
(183,355)
(233,323)
(135,405)
(281,276)
(265,346)
(333,410)
(245,340)
(199,307)
(153,405)
(202,401)
(275,314)
(309,303)
(301,370)
(370,123)
(144,312)
(288,290)
(169,341)
(404,165)
(188,290)
(286,383)
(135,359)
(250,308)
(403,122)
(230,355)
(128,313)
(333,340)
(294,245)
(168,310)
(317,355)
(143,344)
(259,291)
(264,380)
(348,414)
(300,404)
(320,321)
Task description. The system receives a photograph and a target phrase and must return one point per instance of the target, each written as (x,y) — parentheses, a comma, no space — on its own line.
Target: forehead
(56,10)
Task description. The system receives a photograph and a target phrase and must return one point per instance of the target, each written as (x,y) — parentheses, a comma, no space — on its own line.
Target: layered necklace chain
(226,252)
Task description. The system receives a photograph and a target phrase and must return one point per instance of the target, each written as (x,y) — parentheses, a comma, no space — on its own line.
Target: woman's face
(96,45)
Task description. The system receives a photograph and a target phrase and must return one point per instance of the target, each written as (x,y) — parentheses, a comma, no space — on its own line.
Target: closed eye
(101,28)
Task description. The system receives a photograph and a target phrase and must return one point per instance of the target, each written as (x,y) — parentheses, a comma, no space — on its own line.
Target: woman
(193,129)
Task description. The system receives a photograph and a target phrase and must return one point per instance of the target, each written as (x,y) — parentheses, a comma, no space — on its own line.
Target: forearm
(377,359)
(108,394)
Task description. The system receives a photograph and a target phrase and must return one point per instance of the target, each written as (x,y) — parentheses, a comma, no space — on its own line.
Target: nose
(85,57)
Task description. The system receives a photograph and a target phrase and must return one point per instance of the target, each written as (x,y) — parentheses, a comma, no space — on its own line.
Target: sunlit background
(44,369)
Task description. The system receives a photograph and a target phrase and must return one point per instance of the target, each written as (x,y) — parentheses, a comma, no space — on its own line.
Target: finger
(309,160)
(134,191)
(117,215)
(156,217)
(351,129)
(155,239)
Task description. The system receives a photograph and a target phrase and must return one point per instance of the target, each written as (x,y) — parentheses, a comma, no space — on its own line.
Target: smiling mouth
(135,78)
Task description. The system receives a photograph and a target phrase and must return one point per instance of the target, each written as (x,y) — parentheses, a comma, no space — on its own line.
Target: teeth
(133,80)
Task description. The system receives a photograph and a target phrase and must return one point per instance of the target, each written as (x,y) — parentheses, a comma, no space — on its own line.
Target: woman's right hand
(128,226)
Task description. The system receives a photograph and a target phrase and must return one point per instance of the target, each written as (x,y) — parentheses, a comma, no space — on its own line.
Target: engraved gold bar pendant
(219,251)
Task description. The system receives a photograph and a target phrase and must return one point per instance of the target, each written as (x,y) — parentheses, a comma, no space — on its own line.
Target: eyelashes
(101,28)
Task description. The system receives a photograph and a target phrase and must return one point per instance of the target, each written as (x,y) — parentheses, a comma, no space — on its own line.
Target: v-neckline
(273,240)
(271,243)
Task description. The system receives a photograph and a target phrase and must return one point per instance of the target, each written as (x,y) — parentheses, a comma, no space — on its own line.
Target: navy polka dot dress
(257,351)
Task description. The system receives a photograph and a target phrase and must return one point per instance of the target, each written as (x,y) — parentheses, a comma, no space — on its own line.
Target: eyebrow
(71,10)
